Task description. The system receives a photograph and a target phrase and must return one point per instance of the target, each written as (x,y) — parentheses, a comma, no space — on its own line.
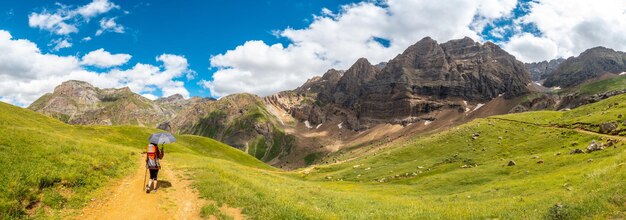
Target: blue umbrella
(162,138)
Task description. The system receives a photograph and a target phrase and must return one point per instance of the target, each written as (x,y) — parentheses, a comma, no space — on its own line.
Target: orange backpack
(153,157)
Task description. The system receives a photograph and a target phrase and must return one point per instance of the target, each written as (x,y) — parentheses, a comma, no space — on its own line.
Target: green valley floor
(55,170)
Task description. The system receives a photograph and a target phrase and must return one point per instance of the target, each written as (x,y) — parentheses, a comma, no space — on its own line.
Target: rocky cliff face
(425,78)
(588,65)
(541,70)
(77,102)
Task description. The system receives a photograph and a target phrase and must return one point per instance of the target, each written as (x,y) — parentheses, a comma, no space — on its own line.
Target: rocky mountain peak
(73,85)
(539,71)
(125,89)
(352,81)
(590,64)
(361,62)
(172,98)
(320,84)
(424,45)
(333,74)
(362,68)
(78,102)
(460,43)
(596,51)
(415,84)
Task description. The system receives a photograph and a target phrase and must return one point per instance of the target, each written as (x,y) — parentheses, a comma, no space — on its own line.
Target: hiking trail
(127,199)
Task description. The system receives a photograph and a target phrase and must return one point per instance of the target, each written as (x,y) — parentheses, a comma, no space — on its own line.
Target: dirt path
(579,130)
(600,134)
(175,199)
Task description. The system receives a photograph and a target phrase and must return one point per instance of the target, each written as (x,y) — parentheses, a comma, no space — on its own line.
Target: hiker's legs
(156,173)
(153,179)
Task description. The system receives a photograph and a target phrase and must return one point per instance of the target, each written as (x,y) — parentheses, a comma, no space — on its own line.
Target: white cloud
(150,96)
(104,59)
(67,18)
(55,23)
(59,44)
(261,69)
(96,8)
(85,39)
(529,48)
(22,59)
(327,12)
(336,40)
(26,73)
(109,25)
(573,26)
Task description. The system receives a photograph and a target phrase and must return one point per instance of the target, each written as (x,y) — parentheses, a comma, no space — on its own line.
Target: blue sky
(220,47)
(195,30)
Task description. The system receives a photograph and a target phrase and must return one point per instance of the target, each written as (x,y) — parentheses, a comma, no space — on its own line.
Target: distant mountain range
(589,65)
(428,87)
(539,71)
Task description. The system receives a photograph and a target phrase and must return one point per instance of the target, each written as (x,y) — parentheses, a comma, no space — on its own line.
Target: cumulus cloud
(59,44)
(55,23)
(150,96)
(26,73)
(338,39)
(96,8)
(66,20)
(529,48)
(571,26)
(104,59)
(109,25)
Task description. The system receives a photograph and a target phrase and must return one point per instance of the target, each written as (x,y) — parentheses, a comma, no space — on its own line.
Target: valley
(442,131)
(301,109)
(460,172)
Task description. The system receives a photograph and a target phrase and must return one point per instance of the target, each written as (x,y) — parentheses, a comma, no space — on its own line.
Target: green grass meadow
(461,173)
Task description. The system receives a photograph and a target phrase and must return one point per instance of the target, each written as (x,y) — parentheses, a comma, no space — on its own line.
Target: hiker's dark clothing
(154,170)
(153,174)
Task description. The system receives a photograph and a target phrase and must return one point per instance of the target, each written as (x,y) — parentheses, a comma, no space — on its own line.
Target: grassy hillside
(457,174)
(49,165)
(587,117)
(241,120)
(449,175)
(612,84)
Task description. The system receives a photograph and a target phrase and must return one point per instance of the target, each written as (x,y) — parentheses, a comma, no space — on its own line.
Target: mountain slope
(590,64)
(458,173)
(541,70)
(430,86)
(50,165)
(240,120)
(426,78)
(77,102)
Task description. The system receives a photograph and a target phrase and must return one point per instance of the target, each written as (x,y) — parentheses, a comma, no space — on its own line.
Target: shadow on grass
(164,184)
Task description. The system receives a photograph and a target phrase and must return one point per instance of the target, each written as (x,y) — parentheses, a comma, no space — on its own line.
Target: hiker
(153,155)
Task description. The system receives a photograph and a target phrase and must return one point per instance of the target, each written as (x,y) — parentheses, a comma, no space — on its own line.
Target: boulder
(576,151)
(595,146)
(608,127)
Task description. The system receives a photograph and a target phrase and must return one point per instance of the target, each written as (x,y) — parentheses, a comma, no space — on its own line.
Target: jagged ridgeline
(446,84)
(425,79)
(241,120)
(589,65)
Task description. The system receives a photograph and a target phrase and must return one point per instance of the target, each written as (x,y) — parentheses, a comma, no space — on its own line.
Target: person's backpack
(153,157)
